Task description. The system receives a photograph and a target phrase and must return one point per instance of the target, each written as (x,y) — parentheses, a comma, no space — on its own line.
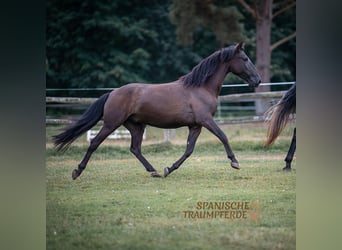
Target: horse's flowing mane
(200,74)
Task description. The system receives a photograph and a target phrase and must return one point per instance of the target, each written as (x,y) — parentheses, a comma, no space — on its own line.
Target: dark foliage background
(107,44)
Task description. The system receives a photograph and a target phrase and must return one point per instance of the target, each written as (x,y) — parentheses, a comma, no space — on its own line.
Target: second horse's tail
(89,118)
(279,115)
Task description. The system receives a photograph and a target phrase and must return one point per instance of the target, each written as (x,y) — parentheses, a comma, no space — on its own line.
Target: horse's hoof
(166,171)
(75,174)
(286,169)
(155,174)
(235,165)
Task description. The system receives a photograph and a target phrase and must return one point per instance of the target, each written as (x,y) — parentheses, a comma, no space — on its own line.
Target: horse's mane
(200,74)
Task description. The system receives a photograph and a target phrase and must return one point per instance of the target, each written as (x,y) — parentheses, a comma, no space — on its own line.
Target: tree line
(107,44)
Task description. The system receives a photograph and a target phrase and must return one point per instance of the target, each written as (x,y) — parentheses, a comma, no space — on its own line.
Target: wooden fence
(233,97)
(244,97)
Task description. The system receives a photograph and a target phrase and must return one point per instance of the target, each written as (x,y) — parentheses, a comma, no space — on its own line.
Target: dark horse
(279,116)
(190,101)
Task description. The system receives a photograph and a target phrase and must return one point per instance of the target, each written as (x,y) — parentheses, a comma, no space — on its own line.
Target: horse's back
(160,105)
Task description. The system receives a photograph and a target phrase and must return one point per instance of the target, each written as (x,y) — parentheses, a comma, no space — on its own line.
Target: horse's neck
(215,83)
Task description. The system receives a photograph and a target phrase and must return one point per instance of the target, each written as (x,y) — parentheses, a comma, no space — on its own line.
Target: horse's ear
(240,46)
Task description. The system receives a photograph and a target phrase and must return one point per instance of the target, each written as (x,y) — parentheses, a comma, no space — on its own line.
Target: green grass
(115,204)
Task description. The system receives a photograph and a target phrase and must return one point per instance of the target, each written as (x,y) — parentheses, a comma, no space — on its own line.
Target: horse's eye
(245,59)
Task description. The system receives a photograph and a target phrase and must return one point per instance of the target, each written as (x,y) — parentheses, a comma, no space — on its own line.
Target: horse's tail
(279,115)
(88,119)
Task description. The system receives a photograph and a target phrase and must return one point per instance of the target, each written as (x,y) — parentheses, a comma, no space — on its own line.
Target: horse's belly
(164,118)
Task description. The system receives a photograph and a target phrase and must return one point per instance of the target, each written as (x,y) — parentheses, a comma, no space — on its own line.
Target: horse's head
(241,65)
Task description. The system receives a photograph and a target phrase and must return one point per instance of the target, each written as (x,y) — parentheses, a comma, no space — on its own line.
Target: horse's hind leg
(194,132)
(99,138)
(137,132)
(290,153)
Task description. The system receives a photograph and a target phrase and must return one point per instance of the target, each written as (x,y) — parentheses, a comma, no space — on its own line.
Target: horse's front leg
(194,132)
(215,129)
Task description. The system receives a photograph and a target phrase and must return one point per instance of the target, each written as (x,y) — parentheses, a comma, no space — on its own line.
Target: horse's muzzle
(254,82)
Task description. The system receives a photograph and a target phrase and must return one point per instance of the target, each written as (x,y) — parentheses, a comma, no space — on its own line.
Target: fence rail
(223,86)
(252,96)
(232,97)
(70,100)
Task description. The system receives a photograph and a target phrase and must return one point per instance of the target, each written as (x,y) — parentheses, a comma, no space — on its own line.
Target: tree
(111,43)
(83,41)
(188,15)
(223,21)
(264,11)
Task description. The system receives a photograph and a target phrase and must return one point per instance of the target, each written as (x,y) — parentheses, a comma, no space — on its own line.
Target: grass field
(115,204)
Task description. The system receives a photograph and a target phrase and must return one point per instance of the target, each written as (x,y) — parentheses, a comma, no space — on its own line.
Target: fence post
(166,135)
(219,109)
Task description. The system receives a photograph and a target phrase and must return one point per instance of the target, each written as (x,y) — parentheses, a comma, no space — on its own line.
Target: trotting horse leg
(194,132)
(290,153)
(137,132)
(99,138)
(215,129)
